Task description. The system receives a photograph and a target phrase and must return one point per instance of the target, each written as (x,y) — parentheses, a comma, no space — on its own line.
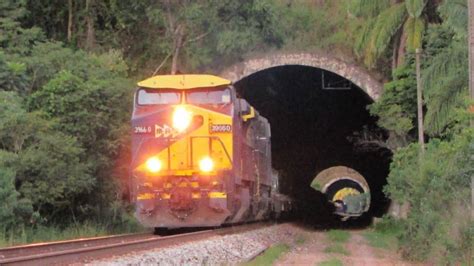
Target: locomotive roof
(183,82)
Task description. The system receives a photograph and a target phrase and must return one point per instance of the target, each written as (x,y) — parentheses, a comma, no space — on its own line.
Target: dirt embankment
(340,248)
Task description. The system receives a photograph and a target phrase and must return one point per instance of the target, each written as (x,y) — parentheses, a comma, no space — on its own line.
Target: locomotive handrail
(210,138)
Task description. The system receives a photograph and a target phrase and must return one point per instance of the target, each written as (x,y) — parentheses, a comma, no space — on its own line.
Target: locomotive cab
(196,155)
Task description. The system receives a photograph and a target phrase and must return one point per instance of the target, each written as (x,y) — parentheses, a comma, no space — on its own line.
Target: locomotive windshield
(151,97)
(208,96)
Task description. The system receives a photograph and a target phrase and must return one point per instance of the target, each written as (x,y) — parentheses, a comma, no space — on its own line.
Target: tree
(90,32)
(437,187)
(15,39)
(161,33)
(396,108)
(8,195)
(46,164)
(70,19)
(197,30)
(470,6)
(396,24)
(12,75)
(61,154)
(446,71)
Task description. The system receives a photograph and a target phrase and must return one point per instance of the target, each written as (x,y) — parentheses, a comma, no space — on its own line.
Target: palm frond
(415,7)
(386,26)
(363,37)
(455,15)
(414,27)
(445,80)
(368,8)
(441,109)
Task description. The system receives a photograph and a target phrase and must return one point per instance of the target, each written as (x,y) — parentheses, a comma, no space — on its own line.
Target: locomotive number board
(220,128)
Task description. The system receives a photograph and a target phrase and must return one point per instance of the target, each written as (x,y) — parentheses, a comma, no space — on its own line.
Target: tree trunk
(470,6)
(401,48)
(90,35)
(174,63)
(396,43)
(471,47)
(69,21)
(398,210)
(178,43)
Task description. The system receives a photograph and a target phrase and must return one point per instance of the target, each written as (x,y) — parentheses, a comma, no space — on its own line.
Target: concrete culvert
(346,188)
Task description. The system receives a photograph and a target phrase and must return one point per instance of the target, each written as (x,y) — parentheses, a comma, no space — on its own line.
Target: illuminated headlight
(153,165)
(181,119)
(206,164)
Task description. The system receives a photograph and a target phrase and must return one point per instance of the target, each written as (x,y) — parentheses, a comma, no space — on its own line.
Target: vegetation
(337,248)
(301,239)
(338,236)
(438,192)
(434,183)
(396,26)
(336,240)
(331,262)
(63,125)
(55,233)
(66,72)
(384,234)
(270,255)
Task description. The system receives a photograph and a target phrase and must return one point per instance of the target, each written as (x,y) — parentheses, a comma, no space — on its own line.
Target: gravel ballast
(228,249)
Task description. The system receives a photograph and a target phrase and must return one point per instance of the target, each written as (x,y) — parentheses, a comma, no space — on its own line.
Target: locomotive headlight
(206,164)
(181,118)
(153,165)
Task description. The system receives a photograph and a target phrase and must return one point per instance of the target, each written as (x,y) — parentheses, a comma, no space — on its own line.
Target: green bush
(63,126)
(437,188)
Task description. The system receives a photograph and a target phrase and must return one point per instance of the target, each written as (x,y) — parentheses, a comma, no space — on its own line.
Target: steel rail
(44,247)
(82,250)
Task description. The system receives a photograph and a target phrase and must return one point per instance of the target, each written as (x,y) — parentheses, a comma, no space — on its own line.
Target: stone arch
(351,71)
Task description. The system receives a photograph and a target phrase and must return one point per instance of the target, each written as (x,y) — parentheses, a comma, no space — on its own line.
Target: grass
(269,256)
(383,235)
(338,249)
(54,233)
(381,240)
(331,262)
(300,240)
(338,236)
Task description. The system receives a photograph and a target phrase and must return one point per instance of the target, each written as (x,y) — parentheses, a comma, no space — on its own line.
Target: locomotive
(201,156)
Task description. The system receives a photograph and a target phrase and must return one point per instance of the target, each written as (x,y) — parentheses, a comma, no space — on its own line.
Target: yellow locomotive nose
(181,118)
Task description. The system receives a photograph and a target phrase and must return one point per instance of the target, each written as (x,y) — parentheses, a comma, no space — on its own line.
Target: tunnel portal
(313,115)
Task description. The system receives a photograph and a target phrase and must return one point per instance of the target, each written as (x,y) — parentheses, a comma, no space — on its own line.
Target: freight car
(201,156)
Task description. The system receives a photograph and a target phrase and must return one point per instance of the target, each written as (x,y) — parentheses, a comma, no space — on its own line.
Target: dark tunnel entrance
(313,114)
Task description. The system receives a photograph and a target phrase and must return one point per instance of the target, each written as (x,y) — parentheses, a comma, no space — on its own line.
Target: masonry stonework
(356,74)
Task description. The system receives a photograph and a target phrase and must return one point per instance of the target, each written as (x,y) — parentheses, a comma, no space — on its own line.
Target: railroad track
(87,249)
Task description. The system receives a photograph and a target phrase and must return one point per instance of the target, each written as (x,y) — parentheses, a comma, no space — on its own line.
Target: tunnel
(315,115)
